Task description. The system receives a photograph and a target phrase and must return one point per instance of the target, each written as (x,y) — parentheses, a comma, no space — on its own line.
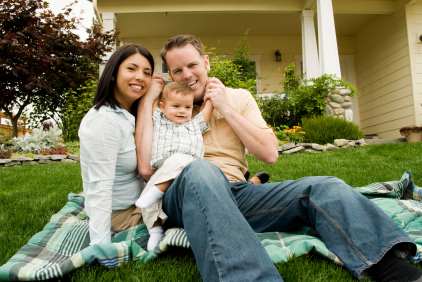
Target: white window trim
(159,69)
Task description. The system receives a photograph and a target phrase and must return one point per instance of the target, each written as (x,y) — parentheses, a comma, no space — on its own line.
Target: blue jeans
(221,218)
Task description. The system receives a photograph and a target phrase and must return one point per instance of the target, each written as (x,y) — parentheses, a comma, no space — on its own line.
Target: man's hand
(259,142)
(216,92)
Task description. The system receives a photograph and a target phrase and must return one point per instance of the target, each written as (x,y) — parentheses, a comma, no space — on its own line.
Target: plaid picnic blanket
(63,244)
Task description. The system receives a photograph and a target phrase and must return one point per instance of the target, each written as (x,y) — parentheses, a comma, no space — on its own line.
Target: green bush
(237,73)
(301,99)
(325,129)
(78,103)
(275,110)
(73,147)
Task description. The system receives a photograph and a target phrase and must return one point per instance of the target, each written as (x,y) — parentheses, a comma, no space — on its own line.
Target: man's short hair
(180,41)
(177,87)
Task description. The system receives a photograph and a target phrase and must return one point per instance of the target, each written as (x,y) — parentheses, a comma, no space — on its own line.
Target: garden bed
(39,159)
(291,147)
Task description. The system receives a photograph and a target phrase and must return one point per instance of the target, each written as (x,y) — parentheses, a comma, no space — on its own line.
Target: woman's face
(133,80)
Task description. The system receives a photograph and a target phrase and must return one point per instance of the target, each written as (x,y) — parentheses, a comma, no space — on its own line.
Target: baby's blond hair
(176,87)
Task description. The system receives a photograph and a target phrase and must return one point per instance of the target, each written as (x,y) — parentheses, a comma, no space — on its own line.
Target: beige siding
(271,71)
(414,24)
(384,75)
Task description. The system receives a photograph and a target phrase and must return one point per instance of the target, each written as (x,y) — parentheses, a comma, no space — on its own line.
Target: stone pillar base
(339,103)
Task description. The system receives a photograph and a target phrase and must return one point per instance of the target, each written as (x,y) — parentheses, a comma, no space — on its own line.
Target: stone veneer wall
(39,159)
(339,103)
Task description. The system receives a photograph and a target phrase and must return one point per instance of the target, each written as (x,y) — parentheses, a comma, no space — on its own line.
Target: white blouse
(111,180)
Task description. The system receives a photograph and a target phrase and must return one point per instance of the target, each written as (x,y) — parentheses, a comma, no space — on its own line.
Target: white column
(310,59)
(109,23)
(327,40)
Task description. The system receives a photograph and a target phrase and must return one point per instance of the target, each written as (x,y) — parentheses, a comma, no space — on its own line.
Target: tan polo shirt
(222,145)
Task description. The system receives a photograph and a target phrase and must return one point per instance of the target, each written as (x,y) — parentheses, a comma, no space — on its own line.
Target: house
(374,44)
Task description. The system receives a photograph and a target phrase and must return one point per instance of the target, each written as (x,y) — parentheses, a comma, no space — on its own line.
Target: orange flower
(286,130)
(302,132)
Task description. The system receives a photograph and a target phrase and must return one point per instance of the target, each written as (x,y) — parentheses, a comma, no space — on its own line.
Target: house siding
(384,75)
(414,24)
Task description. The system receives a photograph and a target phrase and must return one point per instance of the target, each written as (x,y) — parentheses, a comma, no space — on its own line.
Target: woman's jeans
(221,218)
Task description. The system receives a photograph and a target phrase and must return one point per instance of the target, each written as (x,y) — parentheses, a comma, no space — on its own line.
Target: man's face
(185,64)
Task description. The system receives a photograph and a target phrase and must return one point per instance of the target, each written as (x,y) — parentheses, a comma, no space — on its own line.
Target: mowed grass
(30,195)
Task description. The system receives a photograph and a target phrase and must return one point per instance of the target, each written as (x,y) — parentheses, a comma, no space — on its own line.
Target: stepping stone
(294,150)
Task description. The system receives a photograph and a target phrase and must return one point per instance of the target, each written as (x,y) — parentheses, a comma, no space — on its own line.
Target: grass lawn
(30,195)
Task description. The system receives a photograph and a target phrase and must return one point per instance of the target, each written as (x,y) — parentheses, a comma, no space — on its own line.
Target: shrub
(325,129)
(5,154)
(78,103)
(73,147)
(47,125)
(54,151)
(275,109)
(300,99)
(237,73)
(37,141)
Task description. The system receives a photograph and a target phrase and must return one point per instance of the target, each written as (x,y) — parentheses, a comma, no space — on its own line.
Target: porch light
(277,56)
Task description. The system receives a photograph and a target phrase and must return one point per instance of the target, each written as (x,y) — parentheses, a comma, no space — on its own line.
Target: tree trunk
(14,121)
(15,126)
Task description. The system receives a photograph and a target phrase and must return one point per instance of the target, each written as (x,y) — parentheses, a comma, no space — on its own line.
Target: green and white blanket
(63,244)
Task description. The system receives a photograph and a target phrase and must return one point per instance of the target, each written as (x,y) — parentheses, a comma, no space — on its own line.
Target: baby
(177,141)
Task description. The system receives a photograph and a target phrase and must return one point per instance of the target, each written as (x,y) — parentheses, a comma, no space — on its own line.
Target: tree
(41,57)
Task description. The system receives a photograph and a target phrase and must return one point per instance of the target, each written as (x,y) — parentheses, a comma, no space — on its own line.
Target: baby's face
(177,107)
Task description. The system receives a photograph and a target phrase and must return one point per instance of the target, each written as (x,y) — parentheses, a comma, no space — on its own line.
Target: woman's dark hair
(105,89)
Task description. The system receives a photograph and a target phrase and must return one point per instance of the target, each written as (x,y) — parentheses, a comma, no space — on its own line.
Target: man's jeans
(218,216)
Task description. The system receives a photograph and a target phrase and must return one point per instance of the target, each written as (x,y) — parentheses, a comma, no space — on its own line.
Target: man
(221,212)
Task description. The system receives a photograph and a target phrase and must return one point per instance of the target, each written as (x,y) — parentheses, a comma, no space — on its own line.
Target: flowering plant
(295,135)
(290,135)
(54,151)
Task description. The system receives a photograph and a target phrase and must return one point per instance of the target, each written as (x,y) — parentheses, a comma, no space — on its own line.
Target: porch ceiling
(340,6)
(226,24)
(164,18)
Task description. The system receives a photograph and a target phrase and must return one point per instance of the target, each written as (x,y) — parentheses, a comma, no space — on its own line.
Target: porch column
(310,59)
(327,40)
(109,23)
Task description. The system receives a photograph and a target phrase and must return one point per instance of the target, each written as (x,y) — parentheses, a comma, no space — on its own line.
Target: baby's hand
(156,87)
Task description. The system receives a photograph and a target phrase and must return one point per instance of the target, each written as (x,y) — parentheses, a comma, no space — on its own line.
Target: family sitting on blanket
(210,198)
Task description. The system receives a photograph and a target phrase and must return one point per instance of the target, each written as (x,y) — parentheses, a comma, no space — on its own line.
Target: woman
(110,176)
